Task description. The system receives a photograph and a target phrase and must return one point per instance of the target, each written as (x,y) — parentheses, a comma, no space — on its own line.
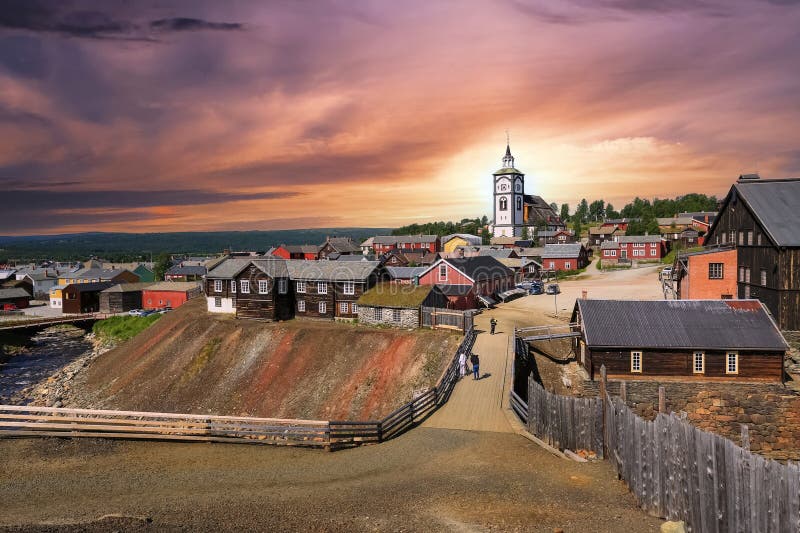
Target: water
(48,351)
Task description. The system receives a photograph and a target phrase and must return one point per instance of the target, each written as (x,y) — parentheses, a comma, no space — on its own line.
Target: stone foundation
(409,318)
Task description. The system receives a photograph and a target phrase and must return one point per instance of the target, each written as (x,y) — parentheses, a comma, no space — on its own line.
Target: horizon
(212,117)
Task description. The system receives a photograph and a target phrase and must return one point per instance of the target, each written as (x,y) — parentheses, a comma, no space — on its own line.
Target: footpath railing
(50,321)
(437,318)
(31,421)
(675,470)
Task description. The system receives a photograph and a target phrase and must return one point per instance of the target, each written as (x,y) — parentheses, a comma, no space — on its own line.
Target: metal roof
(638,238)
(558,251)
(685,324)
(775,204)
(331,270)
(405,272)
(16,292)
(231,267)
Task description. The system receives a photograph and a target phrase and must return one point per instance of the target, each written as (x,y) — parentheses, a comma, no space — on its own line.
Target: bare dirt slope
(192,362)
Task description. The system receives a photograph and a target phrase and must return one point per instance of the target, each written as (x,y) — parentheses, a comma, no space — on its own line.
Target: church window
(442,272)
(503,203)
(519,203)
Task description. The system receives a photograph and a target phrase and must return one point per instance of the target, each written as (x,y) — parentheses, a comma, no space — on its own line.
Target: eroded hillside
(192,362)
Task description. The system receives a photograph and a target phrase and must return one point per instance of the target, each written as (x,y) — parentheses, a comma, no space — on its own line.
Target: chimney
(584,294)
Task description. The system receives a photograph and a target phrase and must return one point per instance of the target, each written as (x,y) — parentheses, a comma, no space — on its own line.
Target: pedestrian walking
(476,363)
(462,363)
(493,324)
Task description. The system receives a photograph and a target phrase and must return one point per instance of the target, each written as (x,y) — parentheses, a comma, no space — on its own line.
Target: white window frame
(637,369)
(322,287)
(654,252)
(442,270)
(354,308)
(763,277)
(244,286)
(567,265)
(702,361)
(263,286)
(217,285)
(397,315)
(217,301)
(283,285)
(749,237)
(322,308)
(735,361)
(349,287)
(343,307)
(552,265)
(233,286)
(301,306)
(301,287)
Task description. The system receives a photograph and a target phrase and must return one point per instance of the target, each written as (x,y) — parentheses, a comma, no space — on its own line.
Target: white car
(135,312)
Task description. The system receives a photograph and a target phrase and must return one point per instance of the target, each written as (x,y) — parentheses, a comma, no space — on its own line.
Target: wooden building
(122,297)
(398,305)
(687,340)
(628,249)
(170,294)
(451,242)
(600,234)
(251,288)
(16,298)
(761,220)
(411,243)
(98,275)
(309,252)
(338,245)
(404,275)
(561,236)
(469,281)
(564,256)
(331,289)
(183,272)
(83,297)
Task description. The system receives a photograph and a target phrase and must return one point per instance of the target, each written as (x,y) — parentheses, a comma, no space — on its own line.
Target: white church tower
(509,201)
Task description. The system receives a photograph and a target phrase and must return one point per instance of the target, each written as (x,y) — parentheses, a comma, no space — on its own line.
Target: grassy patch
(670,257)
(122,328)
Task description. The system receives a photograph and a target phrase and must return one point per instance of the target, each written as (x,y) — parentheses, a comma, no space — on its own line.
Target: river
(47,351)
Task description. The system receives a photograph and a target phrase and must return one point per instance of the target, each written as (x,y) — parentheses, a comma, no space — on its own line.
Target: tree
(526,234)
(161,266)
(554,207)
(597,210)
(610,213)
(564,212)
(577,228)
(582,211)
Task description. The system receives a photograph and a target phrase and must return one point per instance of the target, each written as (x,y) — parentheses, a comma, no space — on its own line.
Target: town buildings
(250,288)
(398,305)
(564,257)
(382,244)
(169,294)
(706,274)
(628,249)
(468,281)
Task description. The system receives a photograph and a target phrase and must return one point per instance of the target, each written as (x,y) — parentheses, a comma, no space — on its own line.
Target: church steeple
(508,159)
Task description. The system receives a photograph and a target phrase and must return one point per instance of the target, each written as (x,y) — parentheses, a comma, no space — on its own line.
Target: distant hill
(132,246)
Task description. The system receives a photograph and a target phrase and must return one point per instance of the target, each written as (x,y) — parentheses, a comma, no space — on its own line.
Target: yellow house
(451,242)
(55,295)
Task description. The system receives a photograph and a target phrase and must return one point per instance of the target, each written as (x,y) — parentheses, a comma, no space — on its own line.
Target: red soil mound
(192,362)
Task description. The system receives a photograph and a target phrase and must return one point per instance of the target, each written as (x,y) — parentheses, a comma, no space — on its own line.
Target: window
(322,287)
(343,307)
(567,265)
(732,363)
(612,253)
(636,362)
(654,252)
(741,273)
(396,315)
(301,287)
(763,278)
(552,265)
(233,286)
(283,285)
(322,308)
(349,287)
(244,286)
(699,363)
(732,236)
(263,286)
(149,301)
(354,308)
(715,271)
(519,203)
(747,274)
(758,239)
(747,292)
(301,306)
(724,238)
(218,285)
(750,238)
(741,238)
(443,272)
(503,203)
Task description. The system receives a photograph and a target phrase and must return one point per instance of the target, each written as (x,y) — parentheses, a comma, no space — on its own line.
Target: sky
(162,115)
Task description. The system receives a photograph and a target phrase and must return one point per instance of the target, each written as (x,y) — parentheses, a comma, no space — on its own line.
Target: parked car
(553,288)
(8,307)
(135,312)
(147,312)
(164,310)
(537,287)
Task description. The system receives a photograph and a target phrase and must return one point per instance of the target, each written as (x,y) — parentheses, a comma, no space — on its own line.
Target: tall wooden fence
(434,317)
(675,470)
(28,421)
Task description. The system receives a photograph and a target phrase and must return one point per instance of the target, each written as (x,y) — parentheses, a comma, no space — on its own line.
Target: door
(623,254)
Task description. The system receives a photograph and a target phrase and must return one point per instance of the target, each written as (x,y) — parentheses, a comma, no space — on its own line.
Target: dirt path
(425,480)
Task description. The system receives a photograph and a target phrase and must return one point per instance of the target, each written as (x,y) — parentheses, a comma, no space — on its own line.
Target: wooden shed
(685,340)
(122,298)
(83,297)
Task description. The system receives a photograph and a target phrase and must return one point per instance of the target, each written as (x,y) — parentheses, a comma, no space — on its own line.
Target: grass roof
(395,295)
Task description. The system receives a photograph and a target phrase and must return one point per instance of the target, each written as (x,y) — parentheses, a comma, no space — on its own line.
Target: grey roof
(530,252)
(231,267)
(678,221)
(686,324)
(301,248)
(775,204)
(95,273)
(481,267)
(128,287)
(394,239)
(343,245)
(503,253)
(16,292)
(609,245)
(552,233)
(89,287)
(559,251)
(638,238)
(331,270)
(188,270)
(455,290)
(405,272)
(335,256)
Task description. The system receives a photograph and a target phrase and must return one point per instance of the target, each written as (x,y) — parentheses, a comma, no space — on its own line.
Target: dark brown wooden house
(122,298)
(250,288)
(331,289)
(338,245)
(83,297)
(761,219)
(686,340)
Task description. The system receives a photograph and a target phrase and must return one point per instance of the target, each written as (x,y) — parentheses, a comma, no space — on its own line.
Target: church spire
(508,159)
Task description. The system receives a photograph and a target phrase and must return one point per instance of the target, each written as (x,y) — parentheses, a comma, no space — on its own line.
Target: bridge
(549,332)
(44,322)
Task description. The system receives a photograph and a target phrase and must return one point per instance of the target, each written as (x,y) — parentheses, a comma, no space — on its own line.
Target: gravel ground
(426,480)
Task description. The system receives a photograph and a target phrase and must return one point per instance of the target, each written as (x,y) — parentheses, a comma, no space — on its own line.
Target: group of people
(474,361)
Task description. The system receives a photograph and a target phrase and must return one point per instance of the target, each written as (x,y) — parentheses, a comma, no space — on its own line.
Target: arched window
(503,203)
(519,203)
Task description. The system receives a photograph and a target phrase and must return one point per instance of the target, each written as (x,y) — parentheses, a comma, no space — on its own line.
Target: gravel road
(426,480)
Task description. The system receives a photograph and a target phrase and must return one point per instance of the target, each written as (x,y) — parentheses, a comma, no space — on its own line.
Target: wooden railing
(48,321)
(27,421)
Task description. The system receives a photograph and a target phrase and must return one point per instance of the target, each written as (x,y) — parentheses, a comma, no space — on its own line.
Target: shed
(398,305)
(16,297)
(121,298)
(83,297)
(169,294)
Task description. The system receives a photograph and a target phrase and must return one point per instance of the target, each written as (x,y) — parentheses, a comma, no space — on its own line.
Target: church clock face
(503,186)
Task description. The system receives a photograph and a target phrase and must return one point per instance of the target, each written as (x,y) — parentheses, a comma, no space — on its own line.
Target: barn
(122,298)
(169,294)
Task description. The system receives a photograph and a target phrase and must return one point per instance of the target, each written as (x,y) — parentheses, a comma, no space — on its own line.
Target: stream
(47,351)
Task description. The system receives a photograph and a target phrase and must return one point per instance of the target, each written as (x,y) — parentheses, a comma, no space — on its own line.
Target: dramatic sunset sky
(197,115)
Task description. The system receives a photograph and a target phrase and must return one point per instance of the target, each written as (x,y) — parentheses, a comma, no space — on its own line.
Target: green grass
(122,328)
(670,257)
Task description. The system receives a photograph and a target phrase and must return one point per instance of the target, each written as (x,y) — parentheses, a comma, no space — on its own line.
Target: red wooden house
(628,248)
(564,256)
(297,251)
(169,294)
(620,223)
(466,281)
(411,243)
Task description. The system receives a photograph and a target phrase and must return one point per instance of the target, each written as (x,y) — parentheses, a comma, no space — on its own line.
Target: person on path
(493,323)
(462,363)
(476,363)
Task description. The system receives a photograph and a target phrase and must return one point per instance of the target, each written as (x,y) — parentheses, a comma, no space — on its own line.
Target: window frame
(217,285)
(702,362)
(301,287)
(343,307)
(397,315)
(322,308)
(322,287)
(233,286)
(349,287)
(283,285)
(442,270)
(634,369)
(265,284)
(244,286)
(354,308)
(763,277)
(567,265)
(712,273)
(301,306)
(728,370)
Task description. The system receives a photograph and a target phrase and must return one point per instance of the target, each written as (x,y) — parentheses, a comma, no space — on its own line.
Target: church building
(515,210)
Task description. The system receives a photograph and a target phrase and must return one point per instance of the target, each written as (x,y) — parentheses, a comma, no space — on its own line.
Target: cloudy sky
(193,115)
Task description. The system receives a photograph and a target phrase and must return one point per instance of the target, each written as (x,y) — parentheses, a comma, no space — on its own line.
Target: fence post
(662,400)
(623,391)
(604,395)
(745,437)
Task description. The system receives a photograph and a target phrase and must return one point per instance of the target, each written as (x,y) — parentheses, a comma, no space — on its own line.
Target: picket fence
(675,470)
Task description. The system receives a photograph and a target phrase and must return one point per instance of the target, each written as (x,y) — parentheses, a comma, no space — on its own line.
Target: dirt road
(426,480)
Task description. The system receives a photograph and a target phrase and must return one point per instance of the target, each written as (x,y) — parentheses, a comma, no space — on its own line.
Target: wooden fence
(434,317)
(675,470)
(27,421)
